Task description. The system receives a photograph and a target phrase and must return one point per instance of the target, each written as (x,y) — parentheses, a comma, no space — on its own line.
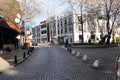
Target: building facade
(67,26)
(40,33)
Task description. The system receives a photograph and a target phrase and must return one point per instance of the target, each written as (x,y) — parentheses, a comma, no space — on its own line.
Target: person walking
(15,42)
(66,43)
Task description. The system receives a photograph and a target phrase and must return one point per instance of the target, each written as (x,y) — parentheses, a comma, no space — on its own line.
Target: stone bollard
(96,64)
(24,55)
(70,50)
(15,60)
(66,49)
(1,52)
(28,52)
(85,58)
(78,54)
(73,52)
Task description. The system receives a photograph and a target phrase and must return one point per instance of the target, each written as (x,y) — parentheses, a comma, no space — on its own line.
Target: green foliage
(117,39)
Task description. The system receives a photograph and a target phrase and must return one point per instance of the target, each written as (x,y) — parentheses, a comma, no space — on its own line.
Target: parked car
(34,43)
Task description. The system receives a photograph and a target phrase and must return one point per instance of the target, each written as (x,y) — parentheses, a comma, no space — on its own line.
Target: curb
(21,61)
(95,46)
(116,67)
(24,59)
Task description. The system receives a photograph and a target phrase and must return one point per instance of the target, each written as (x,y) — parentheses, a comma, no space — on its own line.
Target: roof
(9,25)
(13,26)
(3,23)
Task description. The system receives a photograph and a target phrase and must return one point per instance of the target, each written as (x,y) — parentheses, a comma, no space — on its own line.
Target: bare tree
(94,16)
(9,9)
(110,9)
(78,5)
(30,8)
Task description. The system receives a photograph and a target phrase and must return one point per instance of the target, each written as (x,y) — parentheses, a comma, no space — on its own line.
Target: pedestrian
(66,43)
(15,42)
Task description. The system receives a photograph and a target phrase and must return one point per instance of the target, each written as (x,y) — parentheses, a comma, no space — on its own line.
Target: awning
(13,26)
(3,23)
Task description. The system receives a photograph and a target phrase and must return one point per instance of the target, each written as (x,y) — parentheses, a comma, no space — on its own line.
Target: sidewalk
(9,56)
(107,57)
(95,46)
(118,68)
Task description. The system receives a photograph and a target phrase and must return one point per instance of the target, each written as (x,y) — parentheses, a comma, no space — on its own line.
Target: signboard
(23,23)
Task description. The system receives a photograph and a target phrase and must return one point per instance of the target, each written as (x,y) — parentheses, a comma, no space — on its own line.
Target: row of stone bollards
(96,63)
(25,55)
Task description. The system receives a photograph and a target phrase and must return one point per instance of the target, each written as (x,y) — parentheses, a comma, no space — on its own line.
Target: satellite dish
(18,15)
(17,20)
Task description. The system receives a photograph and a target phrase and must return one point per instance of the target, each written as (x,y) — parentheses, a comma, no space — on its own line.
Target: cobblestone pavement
(54,63)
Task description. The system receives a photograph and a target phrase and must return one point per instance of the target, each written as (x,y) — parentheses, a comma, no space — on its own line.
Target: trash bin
(26,45)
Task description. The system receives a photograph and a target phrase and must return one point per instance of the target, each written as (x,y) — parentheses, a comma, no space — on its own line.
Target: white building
(52,29)
(43,30)
(34,31)
(66,26)
(40,33)
(70,28)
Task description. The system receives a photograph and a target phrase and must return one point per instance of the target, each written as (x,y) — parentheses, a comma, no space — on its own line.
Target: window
(80,27)
(58,25)
(65,30)
(39,34)
(65,21)
(61,23)
(58,31)
(44,32)
(54,31)
(70,20)
(92,36)
(80,37)
(70,29)
(61,31)
(79,18)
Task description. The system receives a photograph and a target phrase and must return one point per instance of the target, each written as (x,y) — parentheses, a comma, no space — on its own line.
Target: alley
(54,63)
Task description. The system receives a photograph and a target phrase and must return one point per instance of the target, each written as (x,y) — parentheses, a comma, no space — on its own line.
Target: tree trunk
(108,29)
(108,39)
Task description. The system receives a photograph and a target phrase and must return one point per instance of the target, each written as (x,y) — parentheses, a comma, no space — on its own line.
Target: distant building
(36,34)
(67,26)
(43,30)
(40,33)
(52,29)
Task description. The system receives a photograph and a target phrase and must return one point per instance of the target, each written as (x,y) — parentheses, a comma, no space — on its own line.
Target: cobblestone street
(55,63)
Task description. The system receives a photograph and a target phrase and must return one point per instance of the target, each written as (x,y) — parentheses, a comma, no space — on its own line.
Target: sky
(50,7)
(53,7)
